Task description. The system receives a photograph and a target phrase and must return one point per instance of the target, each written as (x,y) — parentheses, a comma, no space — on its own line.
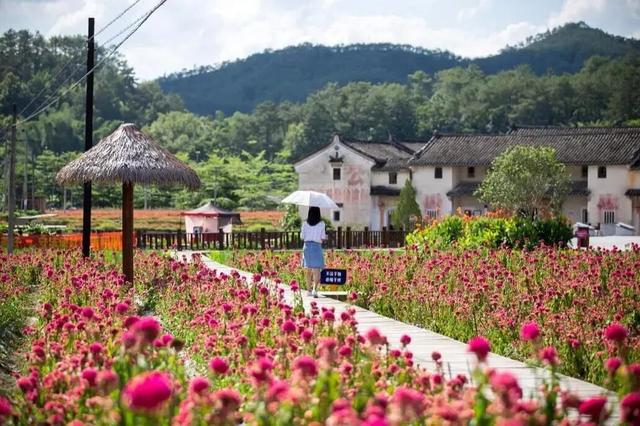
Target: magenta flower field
(187,346)
(572,295)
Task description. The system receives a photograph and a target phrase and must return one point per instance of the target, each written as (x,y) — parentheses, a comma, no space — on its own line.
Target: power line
(73,59)
(123,30)
(108,55)
(120,15)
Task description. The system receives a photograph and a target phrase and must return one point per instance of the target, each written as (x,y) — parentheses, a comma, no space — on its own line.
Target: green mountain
(292,73)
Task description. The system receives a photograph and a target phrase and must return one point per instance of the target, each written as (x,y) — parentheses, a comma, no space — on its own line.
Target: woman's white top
(313,233)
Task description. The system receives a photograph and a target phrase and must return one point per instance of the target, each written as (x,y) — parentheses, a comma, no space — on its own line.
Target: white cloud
(471,12)
(576,10)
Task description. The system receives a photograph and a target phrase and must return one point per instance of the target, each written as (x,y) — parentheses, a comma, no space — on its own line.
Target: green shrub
(492,232)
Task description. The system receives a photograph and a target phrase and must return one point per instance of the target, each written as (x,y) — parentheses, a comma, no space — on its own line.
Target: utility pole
(25,193)
(88,141)
(12,181)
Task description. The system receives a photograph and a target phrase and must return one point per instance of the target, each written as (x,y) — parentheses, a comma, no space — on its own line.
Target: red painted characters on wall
(432,202)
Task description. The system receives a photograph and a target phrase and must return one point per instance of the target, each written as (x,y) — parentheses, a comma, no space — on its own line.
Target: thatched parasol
(129,156)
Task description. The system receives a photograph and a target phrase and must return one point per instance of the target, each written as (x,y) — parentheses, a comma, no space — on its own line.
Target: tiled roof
(573,146)
(389,155)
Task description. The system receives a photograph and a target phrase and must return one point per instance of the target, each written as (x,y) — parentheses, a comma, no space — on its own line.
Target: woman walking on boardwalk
(313,233)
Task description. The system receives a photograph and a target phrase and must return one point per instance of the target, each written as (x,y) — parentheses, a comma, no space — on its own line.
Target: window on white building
(602,172)
(585,172)
(585,216)
(609,216)
(432,214)
(438,173)
(471,172)
(336,215)
(393,178)
(337,173)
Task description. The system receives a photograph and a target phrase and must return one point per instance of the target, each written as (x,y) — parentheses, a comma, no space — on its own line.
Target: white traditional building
(365,177)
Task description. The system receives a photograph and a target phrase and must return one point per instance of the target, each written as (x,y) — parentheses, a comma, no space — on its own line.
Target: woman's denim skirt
(312,256)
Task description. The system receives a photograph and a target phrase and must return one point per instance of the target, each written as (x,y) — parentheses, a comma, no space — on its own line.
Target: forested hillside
(245,159)
(295,72)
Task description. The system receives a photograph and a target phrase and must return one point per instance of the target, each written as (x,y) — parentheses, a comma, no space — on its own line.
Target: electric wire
(108,55)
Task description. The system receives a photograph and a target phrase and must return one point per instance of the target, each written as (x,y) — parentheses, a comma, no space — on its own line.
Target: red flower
(405,339)
(630,408)
(288,326)
(593,407)
(480,346)
(616,332)
(612,365)
(148,328)
(306,365)
(219,365)
(148,391)
(530,332)
(375,338)
(198,385)
(549,355)
(90,375)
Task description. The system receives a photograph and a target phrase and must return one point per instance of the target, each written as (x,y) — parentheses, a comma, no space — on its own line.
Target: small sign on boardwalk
(333,276)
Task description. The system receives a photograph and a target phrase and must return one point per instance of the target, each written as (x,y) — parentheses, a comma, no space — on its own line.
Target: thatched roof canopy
(130,156)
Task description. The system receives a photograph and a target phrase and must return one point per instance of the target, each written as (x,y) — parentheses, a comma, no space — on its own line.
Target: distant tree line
(244,159)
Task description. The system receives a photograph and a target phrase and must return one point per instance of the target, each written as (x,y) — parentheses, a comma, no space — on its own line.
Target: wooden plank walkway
(423,342)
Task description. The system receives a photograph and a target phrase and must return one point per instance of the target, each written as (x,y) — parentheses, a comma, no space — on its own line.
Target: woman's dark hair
(313,218)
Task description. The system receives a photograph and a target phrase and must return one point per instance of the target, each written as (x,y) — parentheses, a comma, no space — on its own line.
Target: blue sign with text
(333,276)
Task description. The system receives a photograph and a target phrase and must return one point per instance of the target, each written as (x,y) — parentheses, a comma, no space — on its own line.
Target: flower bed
(237,352)
(573,295)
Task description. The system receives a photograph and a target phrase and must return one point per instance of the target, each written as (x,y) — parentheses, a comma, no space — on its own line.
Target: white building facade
(365,177)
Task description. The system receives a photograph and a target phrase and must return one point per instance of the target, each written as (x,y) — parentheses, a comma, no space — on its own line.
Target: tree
(525,179)
(407,208)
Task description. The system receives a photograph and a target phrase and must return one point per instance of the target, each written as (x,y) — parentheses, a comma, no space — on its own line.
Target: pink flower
(198,385)
(616,332)
(95,348)
(375,338)
(261,370)
(87,313)
(435,356)
(530,332)
(122,308)
(630,408)
(345,351)
(409,401)
(479,346)
(506,383)
(612,364)
(219,365)
(306,335)
(306,365)
(90,375)
(328,316)
(5,408)
(25,384)
(107,380)
(229,399)
(593,408)
(278,391)
(148,391)
(549,355)
(148,328)
(405,339)
(288,326)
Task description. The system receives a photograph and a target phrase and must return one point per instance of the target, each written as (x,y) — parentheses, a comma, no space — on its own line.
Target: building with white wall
(365,177)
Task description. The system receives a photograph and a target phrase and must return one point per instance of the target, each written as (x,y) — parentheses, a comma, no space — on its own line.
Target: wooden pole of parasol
(127,231)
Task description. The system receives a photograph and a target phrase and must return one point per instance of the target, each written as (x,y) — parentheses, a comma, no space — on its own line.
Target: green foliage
(407,208)
(291,221)
(525,179)
(492,232)
(296,72)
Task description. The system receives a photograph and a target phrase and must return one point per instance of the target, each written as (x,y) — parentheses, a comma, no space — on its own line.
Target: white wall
(380,178)
(572,208)
(608,194)
(352,190)
(432,193)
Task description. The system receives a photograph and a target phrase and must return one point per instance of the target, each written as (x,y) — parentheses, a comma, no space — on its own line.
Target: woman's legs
(316,280)
(308,276)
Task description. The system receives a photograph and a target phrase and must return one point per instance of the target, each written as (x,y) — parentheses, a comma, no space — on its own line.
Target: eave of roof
(384,190)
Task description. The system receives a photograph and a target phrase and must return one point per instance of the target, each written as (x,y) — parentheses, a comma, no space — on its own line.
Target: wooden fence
(265,240)
(99,240)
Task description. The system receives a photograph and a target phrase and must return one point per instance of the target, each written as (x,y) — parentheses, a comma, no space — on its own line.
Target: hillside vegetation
(245,159)
(295,72)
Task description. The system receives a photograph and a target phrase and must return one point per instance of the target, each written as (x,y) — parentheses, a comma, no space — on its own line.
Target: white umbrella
(310,198)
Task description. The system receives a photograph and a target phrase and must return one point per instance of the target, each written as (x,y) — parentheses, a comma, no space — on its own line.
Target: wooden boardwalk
(423,342)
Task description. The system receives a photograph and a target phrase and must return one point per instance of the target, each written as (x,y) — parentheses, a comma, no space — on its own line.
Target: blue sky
(184,33)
